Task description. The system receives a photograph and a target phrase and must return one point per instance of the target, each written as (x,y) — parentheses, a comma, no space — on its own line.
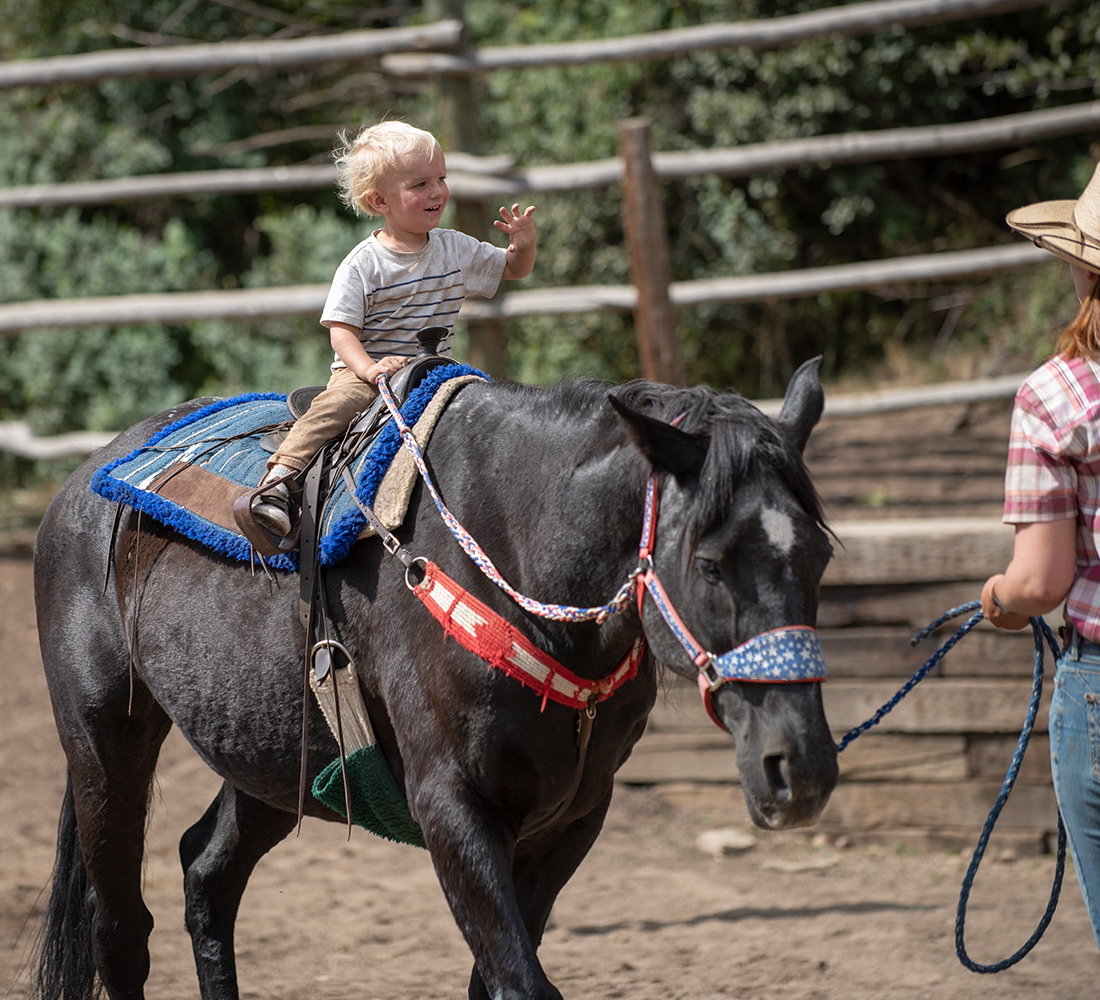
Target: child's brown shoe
(271,509)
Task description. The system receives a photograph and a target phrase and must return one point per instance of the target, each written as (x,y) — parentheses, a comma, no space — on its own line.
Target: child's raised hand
(519,226)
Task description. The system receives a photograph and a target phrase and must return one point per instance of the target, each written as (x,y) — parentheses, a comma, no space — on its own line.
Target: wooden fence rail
(186,60)
(767,33)
(215,57)
(494,177)
(250,304)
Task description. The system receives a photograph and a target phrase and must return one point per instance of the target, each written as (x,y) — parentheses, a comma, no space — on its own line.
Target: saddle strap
(389,540)
(307,601)
(318,664)
(585,720)
(309,539)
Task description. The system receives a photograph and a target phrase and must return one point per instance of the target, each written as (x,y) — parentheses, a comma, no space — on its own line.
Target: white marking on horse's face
(779,528)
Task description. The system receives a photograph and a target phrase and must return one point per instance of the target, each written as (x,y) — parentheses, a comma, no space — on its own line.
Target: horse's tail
(65,967)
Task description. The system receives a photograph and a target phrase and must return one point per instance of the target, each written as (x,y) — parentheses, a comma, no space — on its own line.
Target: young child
(404,277)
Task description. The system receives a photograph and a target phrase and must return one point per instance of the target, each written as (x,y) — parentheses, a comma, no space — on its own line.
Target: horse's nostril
(777,771)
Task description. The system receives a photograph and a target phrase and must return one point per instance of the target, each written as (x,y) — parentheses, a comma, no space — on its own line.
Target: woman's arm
(1043,567)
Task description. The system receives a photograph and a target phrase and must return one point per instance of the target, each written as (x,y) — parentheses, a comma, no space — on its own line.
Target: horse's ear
(668,448)
(803,403)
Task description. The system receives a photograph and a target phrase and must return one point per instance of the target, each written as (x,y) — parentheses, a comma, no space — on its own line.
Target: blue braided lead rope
(923,672)
(1041,632)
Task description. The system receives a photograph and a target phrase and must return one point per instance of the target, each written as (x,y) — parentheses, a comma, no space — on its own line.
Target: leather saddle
(361,433)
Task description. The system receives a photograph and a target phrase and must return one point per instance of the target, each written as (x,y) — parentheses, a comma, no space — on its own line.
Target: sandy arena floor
(648,916)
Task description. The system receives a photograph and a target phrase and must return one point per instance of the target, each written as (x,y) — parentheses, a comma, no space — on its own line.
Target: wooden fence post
(650,266)
(485,338)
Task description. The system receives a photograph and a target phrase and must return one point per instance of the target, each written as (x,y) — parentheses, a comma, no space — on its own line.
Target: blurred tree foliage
(958,72)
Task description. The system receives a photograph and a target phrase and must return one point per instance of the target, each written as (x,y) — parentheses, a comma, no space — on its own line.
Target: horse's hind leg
(218,855)
(111,763)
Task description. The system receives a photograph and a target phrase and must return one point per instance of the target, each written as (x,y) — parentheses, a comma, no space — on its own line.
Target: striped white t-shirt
(389,296)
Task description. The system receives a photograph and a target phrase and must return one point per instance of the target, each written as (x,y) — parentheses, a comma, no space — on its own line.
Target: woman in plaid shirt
(1052,496)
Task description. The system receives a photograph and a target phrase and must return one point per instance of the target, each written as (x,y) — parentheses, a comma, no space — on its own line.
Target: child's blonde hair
(363,162)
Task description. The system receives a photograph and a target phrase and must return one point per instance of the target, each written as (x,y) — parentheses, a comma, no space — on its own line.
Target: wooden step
(938,705)
(919,550)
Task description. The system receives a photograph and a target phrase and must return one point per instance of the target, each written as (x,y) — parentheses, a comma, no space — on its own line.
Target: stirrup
(265,541)
(271,509)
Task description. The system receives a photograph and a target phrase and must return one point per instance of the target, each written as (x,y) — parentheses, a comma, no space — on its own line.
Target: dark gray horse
(551,482)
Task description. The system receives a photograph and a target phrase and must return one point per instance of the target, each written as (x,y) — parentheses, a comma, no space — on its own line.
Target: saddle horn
(430,338)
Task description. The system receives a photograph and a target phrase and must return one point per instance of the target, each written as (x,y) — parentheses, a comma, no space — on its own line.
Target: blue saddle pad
(216,451)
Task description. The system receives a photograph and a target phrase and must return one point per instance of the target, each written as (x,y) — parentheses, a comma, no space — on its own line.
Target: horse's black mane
(738,434)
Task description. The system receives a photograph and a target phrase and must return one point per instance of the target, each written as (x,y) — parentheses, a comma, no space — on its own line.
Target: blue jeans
(1075,763)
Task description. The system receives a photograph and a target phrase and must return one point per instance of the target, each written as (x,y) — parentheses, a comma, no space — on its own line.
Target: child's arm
(345,342)
(521,247)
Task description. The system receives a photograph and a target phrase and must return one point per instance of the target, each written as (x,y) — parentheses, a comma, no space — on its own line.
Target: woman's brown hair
(1081,339)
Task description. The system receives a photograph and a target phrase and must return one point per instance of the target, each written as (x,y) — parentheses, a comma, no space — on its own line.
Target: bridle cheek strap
(790,654)
(648,581)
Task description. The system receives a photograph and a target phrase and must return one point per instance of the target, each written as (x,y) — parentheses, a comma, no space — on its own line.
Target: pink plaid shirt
(1054,470)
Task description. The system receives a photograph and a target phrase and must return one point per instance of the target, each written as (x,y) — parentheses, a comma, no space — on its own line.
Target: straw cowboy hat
(1068,229)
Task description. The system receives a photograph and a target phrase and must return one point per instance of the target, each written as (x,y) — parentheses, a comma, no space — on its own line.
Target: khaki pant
(330,414)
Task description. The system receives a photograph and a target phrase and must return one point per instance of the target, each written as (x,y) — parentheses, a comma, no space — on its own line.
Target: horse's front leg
(471,848)
(540,871)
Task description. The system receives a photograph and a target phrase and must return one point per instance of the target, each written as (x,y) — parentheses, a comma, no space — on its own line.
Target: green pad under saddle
(377,802)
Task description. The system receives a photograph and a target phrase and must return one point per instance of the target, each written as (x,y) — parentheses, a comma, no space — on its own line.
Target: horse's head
(739,550)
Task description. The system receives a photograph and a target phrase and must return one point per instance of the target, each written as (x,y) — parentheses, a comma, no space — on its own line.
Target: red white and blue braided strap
(555,612)
(485,634)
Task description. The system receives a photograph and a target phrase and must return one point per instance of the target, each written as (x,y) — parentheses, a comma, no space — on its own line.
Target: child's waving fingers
(514,218)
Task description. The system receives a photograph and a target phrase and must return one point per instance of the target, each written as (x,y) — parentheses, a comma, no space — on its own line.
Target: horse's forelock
(740,439)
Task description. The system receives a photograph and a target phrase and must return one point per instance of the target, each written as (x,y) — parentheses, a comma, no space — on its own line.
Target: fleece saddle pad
(189,473)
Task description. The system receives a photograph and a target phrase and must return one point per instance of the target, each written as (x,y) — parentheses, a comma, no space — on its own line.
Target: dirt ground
(648,916)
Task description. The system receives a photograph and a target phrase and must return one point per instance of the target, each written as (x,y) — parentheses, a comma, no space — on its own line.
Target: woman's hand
(995,612)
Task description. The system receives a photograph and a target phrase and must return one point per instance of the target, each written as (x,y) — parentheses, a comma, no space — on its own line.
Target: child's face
(413,197)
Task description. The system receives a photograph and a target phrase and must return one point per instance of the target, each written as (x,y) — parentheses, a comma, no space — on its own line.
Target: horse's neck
(557,505)
(593,490)
(565,494)
(582,535)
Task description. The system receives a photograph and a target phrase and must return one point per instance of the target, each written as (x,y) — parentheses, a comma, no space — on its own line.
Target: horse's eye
(709,569)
